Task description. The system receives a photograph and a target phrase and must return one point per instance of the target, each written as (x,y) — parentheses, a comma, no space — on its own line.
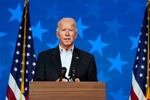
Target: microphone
(62,73)
(74,74)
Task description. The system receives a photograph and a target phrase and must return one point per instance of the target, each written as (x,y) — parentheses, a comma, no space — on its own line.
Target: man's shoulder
(84,53)
(47,52)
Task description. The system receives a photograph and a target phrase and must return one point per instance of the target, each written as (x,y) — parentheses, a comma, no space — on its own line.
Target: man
(50,62)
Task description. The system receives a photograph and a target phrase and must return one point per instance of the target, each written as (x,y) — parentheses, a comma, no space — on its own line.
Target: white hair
(66,18)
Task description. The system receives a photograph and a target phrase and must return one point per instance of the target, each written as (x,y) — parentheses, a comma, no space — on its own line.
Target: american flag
(24,61)
(140,81)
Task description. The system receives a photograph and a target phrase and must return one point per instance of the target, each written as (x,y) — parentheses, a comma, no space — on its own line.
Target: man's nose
(67,33)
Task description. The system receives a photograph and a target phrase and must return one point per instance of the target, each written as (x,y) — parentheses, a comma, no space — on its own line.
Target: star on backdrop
(98,45)
(117,63)
(16,14)
(134,41)
(81,27)
(113,26)
(94,9)
(38,31)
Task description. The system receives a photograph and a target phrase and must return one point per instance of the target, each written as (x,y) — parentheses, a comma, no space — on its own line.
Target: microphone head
(62,72)
(74,74)
(64,68)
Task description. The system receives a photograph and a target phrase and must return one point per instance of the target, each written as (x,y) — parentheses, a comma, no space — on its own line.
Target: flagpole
(24,49)
(148,54)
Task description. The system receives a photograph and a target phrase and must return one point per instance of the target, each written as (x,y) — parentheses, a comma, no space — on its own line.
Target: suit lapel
(75,60)
(56,58)
(74,63)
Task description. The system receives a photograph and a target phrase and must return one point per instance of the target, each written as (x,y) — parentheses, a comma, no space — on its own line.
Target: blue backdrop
(109,29)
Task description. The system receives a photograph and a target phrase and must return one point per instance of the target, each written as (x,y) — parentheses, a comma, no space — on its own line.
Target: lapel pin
(77,57)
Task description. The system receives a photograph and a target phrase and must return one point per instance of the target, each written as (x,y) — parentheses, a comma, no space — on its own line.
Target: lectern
(67,91)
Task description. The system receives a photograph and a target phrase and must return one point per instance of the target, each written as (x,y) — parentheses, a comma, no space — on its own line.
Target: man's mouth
(66,38)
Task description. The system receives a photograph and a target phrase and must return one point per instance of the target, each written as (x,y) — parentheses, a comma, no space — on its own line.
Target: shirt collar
(63,50)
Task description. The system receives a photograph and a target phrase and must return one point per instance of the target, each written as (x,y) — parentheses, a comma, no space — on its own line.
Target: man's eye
(70,30)
(63,29)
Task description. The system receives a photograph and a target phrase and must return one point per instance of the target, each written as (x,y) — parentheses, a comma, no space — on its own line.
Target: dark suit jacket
(49,64)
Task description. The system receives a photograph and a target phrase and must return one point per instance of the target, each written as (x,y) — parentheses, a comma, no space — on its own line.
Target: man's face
(67,33)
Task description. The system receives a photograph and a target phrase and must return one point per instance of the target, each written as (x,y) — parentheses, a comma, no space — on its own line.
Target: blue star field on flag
(109,29)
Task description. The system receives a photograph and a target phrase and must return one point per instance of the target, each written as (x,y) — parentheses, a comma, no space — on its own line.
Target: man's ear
(76,35)
(57,34)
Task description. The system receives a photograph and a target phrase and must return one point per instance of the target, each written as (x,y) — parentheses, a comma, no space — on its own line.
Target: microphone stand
(62,74)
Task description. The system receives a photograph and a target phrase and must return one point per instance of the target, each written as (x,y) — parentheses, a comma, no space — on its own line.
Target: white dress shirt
(66,58)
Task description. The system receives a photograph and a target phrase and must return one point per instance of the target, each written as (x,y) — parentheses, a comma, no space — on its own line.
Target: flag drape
(140,77)
(24,61)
